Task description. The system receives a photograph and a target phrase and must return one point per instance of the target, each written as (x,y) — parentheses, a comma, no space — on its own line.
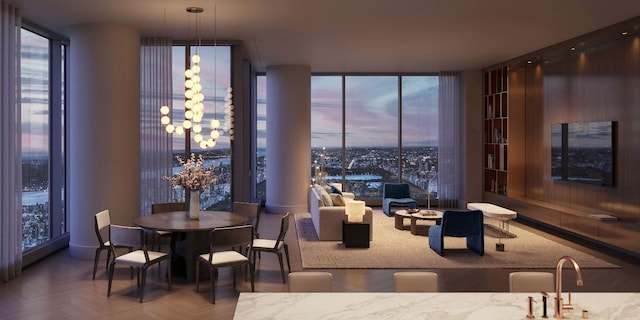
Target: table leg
(414,228)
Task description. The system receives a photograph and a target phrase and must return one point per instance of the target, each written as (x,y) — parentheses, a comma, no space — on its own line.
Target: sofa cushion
(324,195)
(337,199)
(333,189)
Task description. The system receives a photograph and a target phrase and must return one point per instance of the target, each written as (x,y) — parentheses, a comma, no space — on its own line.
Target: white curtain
(10,155)
(449,137)
(155,142)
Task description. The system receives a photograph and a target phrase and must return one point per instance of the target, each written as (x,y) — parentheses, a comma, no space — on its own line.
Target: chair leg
(286,252)
(213,285)
(108,258)
(252,272)
(281,266)
(95,262)
(144,280)
(110,279)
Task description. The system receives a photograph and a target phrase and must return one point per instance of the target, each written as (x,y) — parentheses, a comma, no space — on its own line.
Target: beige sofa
(327,219)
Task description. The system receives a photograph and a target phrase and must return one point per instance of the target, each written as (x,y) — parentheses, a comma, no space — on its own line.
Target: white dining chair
(141,258)
(221,254)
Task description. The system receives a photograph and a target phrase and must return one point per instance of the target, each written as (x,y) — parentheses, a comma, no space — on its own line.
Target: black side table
(355,234)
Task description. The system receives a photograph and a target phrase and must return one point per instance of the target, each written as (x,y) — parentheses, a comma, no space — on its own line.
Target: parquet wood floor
(60,287)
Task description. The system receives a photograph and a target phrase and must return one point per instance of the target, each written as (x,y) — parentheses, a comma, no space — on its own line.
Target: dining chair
(251,211)
(275,246)
(415,281)
(102,221)
(160,208)
(310,281)
(531,281)
(221,254)
(141,258)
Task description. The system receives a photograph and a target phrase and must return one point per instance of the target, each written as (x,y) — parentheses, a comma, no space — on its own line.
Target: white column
(288,138)
(104,130)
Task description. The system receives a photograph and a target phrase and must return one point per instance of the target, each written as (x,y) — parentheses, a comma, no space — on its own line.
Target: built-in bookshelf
(496,114)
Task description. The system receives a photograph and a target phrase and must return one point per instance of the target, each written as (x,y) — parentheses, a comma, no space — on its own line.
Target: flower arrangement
(194,176)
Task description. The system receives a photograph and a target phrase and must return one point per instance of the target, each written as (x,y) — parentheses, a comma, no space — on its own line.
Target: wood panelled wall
(601,83)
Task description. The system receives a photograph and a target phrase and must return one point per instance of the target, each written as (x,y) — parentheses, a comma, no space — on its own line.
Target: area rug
(399,249)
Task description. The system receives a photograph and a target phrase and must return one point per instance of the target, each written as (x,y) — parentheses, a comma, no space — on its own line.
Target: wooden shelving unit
(496,114)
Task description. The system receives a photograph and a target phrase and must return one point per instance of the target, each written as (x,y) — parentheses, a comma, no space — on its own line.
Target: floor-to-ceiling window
(326,129)
(261,137)
(390,132)
(367,130)
(420,135)
(215,76)
(42,121)
(371,133)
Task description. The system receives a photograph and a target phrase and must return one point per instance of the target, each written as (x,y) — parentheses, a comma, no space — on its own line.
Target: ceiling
(354,35)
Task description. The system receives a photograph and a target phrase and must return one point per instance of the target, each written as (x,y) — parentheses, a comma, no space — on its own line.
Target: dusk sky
(371,103)
(35,92)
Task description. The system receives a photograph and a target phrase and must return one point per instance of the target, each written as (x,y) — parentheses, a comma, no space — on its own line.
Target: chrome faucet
(560,307)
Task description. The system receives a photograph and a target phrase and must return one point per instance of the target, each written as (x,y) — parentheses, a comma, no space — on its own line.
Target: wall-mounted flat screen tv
(583,152)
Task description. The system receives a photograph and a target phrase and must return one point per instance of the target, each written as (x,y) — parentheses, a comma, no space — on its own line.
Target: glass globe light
(197,87)
(195,58)
(197,138)
(188,83)
(186,124)
(188,114)
(195,78)
(203,144)
(165,120)
(197,128)
(215,123)
(188,73)
(188,94)
(211,143)
(164,110)
(170,128)
(188,104)
(215,134)
(196,68)
(229,89)
(179,130)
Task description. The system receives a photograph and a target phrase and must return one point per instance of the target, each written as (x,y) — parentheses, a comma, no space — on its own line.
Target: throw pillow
(337,199)
(333,189)
(326,199)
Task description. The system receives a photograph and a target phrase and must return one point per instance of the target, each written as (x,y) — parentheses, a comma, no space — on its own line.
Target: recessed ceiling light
(573,48)
(529,61)
(624,33)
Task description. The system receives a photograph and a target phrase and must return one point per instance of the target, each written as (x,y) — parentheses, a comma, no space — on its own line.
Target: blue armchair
(467,224)
(396,194)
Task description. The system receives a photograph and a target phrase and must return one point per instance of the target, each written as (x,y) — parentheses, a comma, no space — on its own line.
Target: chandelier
(194,110)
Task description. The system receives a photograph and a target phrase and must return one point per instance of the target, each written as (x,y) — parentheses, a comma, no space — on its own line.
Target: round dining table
(179,221)
(196,238)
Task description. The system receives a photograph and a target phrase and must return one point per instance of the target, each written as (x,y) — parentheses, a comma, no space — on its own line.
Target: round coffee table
(431,215)
(400,215)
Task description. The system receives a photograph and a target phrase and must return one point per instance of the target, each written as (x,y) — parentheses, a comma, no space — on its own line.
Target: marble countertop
(445,305)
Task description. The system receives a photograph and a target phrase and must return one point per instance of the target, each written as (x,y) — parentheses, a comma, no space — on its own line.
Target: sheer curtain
(449,137)
(155,142)
(10,156)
